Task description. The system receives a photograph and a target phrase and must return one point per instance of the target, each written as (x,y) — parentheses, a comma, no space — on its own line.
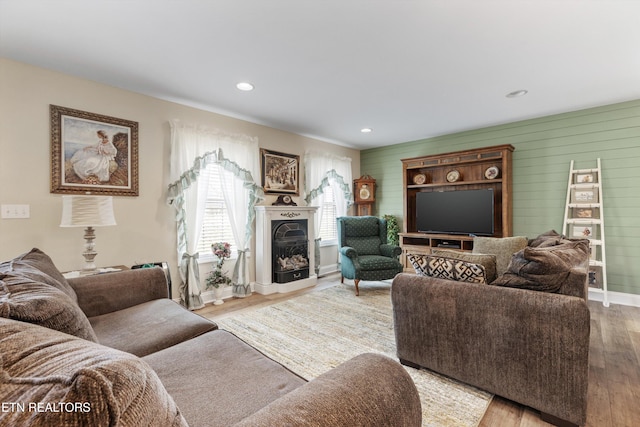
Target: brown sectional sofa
(114,350)
(528,346)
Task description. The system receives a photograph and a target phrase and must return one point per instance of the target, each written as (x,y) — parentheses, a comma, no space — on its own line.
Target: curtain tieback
(187,259)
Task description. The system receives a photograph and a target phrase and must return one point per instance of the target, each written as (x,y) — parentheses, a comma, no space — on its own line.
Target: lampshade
(87,211)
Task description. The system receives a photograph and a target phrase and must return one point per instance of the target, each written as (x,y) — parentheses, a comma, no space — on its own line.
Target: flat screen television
(455,212)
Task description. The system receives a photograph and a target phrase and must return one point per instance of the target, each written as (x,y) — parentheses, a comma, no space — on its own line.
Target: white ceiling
(408,69)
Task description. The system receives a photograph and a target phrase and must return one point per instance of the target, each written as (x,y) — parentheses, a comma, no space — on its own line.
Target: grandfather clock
(364,190)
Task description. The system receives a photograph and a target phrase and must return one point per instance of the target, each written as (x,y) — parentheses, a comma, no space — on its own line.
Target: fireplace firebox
(290,250)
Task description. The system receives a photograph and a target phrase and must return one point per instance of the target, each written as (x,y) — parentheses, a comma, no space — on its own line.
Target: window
(215,225)
(328,226)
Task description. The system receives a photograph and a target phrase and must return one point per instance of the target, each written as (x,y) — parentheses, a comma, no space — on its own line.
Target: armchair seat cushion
(378,262)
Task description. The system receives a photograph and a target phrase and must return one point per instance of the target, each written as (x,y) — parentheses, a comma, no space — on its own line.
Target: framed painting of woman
(92,153)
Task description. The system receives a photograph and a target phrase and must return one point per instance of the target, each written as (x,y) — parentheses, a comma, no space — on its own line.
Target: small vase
(217,292)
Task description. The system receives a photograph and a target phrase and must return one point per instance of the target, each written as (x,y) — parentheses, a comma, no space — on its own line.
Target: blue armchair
(364,252)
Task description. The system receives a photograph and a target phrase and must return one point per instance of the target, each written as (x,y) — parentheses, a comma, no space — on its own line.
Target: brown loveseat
(114,350)
(529,346)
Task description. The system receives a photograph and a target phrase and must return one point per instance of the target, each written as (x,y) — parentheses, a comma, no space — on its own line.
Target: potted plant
(392,230)
(217,278)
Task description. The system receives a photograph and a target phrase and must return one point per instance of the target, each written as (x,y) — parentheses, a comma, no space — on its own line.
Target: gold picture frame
(93,154)
(280,172)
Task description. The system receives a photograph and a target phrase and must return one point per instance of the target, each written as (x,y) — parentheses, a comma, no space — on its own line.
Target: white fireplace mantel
(265,215)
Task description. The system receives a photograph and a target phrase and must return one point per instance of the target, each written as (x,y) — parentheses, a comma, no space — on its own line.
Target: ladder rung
(584,221)
(589,185)
(585,170)
(584,205)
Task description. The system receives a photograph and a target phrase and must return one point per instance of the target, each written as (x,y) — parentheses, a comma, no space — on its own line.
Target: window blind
(328,225)
(215,225)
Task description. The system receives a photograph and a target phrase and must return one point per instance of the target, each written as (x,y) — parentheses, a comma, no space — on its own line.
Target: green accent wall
(544,148)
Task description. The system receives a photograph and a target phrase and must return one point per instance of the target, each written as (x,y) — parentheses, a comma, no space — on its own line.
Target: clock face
(453,176)
(365,194)
(286,199)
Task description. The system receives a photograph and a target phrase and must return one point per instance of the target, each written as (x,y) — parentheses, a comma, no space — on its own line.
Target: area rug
(315,332)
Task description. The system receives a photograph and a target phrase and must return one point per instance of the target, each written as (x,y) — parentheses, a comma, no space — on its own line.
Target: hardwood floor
(614,371)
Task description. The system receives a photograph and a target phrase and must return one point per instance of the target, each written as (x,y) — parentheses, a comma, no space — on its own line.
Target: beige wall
(146,229)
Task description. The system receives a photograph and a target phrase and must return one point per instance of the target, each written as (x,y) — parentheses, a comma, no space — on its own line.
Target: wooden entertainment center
(482,168)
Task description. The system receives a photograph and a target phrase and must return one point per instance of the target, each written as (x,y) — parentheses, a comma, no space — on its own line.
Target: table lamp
(89,212)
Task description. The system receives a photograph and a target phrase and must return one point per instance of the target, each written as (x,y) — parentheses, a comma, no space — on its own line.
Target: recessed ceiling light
(244,86)
(517,93)
(366,130)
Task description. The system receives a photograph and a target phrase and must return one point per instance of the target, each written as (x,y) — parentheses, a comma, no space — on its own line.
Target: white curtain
(323,170)
(192,148)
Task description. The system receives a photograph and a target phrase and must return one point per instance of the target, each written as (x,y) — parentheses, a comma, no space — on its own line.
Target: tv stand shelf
(439,241)
(477,169)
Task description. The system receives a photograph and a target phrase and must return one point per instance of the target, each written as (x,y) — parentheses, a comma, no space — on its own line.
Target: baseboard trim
(210,296)
(620,298)
(328,269)
(283,288)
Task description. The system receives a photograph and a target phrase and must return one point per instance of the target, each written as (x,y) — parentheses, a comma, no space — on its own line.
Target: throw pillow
(65,381)
(447,268)
(37,266)
(545,268)
(550,238)
(486,260)
(35,302)
(502,247)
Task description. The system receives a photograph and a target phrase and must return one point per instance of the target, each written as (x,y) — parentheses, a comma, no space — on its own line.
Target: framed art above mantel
(93,154)
(280,172)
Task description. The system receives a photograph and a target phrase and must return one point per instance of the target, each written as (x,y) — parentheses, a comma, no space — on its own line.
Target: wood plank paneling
(544,149)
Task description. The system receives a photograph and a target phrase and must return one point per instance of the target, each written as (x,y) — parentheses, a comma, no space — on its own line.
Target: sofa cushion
(488,261)
(447,268)
(245,380)
(502,247)
(65,381)
(37,266)
(35,302)
(148,327)
(546,268)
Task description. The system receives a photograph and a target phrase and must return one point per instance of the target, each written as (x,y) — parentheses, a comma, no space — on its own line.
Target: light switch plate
(15,211)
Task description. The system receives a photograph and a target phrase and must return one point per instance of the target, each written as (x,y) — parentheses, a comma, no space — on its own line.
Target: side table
(78,273)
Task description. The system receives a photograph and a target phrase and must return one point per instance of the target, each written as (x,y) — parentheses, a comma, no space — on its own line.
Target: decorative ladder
(584,218)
